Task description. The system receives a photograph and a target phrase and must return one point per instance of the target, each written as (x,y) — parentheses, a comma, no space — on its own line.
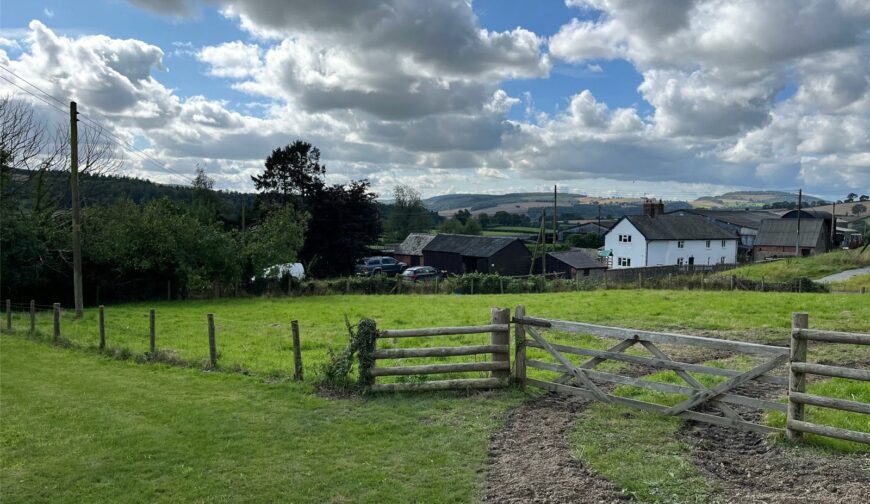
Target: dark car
(421,273)
(381,265)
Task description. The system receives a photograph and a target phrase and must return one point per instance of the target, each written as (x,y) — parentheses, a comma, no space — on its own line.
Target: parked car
(421,274)
(379,265)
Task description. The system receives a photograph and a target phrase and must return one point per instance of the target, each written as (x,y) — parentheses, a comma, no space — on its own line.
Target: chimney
(651,207)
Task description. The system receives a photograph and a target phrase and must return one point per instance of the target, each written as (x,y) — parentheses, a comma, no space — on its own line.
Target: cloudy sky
(671,98)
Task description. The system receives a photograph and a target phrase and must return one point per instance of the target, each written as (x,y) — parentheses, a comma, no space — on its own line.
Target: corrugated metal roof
(678,227)
(577,259)
(468,245)
(414,243)
(743,218)
(783,232)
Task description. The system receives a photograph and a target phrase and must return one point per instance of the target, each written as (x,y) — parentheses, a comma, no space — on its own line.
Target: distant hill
(743,199)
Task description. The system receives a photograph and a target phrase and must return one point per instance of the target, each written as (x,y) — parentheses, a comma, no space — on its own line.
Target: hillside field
(813,267)
(78,426)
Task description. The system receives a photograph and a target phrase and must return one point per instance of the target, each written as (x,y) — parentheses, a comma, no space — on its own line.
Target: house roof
(577,259)
(807,213)
(743,218)
(783,232)
(678,227)
(468,245)
(414,243)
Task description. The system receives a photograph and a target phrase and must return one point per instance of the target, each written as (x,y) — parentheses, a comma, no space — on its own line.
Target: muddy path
(531,460)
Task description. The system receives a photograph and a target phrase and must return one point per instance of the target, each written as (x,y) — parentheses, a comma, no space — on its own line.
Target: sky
(672,98)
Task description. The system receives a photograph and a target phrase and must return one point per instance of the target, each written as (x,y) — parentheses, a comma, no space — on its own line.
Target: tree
(276,240)
(858,209)
(850,198)
(462,216)
(408,214)
(293,170)
(484,220)
(205,206)
(456,226)
(586,240)
(864,197)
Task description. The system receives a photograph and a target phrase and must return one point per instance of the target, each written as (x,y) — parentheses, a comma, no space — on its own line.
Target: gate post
(501,316)
(797,382)
(519,347)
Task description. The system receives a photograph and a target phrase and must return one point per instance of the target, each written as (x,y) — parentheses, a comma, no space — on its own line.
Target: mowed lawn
(77,426)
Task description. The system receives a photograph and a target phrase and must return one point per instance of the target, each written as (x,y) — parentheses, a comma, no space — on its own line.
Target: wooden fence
(583,379)
(799,368)
(499,348)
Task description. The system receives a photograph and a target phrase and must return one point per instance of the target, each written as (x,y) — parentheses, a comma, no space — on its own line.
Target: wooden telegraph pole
(555,211)
(76,209)
(797,242)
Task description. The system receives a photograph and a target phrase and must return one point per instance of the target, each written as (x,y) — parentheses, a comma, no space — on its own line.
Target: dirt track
(531,461)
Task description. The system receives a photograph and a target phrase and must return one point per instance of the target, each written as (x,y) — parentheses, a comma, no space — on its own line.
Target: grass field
(856,283)
(812,267)
(77,426)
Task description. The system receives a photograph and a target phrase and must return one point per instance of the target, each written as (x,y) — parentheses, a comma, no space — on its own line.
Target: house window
(723,243)
(625,238)
(680,261)
(681,244)
(624,261)
(708,243)
(722,260)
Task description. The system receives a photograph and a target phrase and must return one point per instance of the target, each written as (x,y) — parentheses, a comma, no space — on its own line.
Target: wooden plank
(834,371)
(501,316)
(579,374)
(829,402)
(405,353)
(647,361)
(441,368)
(617,348)
(725,386)
(797,381)
(661,387)
(834,432)
(650,346)
(520,348)
(462,384)
(442,331)
(833,336)
(658,337)
(633,403)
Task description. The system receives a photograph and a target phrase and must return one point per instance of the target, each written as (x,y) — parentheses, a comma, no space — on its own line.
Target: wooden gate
(582,379)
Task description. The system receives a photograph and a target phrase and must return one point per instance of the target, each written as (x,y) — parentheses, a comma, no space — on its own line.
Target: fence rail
(499,348)
(796,424)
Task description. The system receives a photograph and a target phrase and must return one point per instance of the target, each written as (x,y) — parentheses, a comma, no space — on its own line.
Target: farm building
(743,222)
(589,227)
(574,263)
(828,222)
(410,251)
(459,254)
(669,240)
(779,238)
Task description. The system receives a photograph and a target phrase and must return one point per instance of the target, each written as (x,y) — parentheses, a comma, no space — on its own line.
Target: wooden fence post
(762,283)
(605,279)
(501,284)
(9,315)
(56,322)
(520,348)
(212,347)
(101,320)
(297,351)
(797,381)
(733,281)
(670,277)
(152,337)
(639,281)
(501,316)
(32,316)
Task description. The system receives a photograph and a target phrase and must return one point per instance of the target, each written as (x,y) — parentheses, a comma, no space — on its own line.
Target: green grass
(838,388)
(254,334)
(856,283)
(637,451)
(812,267)
(81,428)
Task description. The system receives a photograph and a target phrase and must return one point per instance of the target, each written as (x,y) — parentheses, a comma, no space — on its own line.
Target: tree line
(188,241)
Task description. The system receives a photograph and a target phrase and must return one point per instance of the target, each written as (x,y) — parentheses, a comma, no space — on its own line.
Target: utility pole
(797,244)
(554,217)
(599,220)
(76,209)
(544,243)
(833,224)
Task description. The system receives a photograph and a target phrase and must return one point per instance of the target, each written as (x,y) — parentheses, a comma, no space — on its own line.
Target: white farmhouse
(670,239)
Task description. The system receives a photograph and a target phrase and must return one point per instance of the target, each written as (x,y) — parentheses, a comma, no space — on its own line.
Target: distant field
(813,267)
(856,283)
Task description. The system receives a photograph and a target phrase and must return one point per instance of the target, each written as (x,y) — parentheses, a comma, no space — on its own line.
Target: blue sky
(605,97)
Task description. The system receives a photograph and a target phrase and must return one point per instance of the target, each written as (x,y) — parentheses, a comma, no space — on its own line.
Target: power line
(92,123)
